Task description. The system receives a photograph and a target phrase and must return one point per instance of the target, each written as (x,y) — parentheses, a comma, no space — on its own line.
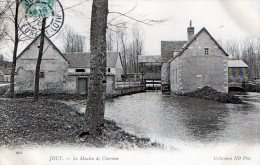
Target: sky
(224,19)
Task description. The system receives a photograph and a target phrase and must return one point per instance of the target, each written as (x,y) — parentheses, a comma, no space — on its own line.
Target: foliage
(72,41)
(129,41)
(3,25)
(247,50)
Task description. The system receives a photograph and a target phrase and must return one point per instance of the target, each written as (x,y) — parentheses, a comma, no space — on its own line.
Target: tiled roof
(237,63)
(82,59)
(78,59)
(194,37)
(112,58)
(167,48)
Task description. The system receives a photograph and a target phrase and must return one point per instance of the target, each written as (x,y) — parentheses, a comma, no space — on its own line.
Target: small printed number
(44,9)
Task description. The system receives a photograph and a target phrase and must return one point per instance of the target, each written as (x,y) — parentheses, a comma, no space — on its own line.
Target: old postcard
(142,82)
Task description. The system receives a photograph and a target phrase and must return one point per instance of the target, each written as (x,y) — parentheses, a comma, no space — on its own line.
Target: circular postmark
(31,21)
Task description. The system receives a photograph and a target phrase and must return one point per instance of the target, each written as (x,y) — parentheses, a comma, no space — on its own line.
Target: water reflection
(184,119)
(202,119)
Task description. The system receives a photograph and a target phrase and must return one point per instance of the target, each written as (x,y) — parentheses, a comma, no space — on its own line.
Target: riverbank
(211,94)
(49,122)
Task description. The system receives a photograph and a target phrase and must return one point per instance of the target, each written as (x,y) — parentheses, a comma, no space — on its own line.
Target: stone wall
(165,77)
(53,66)
(196,72)
(129,90)
(110,84)
(54,75)
(111,91)
(194,69)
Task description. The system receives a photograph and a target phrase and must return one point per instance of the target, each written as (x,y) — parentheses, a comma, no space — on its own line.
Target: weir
(152,84)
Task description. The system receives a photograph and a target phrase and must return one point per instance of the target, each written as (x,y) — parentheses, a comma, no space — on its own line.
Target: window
(173,76)
(42,75)
(108,69)
(206,51)
(80,70)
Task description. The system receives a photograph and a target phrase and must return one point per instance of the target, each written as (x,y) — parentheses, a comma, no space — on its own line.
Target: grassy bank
(49,122)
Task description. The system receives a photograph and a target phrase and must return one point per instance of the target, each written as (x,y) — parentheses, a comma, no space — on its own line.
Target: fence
(124,84)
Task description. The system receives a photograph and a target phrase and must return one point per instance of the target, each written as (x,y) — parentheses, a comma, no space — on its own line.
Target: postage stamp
(32,18)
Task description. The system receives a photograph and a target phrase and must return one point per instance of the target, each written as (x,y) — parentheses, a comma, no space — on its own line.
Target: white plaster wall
(71,70)
(53,64)
(196,70)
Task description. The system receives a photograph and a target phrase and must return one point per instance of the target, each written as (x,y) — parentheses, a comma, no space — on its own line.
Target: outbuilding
(237,73)
(62,73)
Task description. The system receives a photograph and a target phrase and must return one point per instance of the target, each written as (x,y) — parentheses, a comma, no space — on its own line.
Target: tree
(117,41)
(3,25)
(232,48)
(129,41)
(250,50)
(247,50)
(95,108)
(12,8)
(110,41)
(16,41)
(38,64)
(122,45)
(137,46)
(72,41)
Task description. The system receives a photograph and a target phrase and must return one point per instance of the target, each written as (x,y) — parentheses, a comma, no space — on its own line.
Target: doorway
(82,85)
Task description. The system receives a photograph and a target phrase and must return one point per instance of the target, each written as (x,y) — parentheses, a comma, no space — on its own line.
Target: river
(193,131)
(177,121)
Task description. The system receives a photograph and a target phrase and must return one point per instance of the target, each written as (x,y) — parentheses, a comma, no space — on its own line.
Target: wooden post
(134,82)
(153,85)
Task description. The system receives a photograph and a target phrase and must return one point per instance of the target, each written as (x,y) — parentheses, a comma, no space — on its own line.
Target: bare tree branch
(148,22)
(72,41)
(121,15)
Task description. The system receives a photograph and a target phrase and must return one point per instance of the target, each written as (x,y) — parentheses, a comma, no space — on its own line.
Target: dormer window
(206,51)
(80,70)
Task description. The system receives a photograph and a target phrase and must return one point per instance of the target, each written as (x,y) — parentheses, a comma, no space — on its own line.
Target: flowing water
(175,120)
(194,132)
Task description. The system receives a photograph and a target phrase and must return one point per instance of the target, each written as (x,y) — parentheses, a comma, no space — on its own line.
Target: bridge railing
(122,84)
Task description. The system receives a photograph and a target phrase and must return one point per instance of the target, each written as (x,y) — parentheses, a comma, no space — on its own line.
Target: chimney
(190,31)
